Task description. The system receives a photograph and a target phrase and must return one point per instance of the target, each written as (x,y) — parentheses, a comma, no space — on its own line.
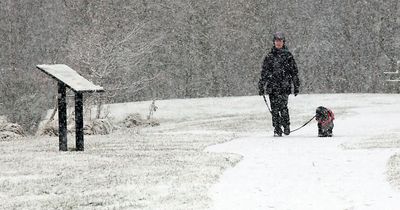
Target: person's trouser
(280,111)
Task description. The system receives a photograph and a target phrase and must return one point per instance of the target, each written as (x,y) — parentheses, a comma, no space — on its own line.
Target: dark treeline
(154,49)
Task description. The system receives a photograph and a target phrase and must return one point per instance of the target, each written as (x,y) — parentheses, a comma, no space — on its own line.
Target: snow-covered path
(302,171)
(304,174)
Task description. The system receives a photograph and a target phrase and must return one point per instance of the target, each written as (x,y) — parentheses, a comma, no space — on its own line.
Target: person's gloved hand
(261,91)
(296,92)
(268,91)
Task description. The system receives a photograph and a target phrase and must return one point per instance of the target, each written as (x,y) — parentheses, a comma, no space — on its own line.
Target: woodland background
(153,49)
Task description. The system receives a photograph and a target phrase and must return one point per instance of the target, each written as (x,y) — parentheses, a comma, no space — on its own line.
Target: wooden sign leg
(79,121)
(62,117)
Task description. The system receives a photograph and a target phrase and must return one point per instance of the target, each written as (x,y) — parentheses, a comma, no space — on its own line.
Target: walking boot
(277,132)
(286,130)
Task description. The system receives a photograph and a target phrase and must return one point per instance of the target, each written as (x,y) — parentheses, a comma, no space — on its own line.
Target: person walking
(279,73)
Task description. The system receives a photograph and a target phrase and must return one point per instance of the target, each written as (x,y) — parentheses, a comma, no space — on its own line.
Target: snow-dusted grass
(162,167)
(145,171)
(169,167)
(394,170)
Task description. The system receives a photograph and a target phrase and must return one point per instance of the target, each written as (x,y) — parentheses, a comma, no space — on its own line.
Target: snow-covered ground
(302,171)
(189,162)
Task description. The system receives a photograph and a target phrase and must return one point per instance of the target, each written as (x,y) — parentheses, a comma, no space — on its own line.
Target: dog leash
(303,125)
(269,109)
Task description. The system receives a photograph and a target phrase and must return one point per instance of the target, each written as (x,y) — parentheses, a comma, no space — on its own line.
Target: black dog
(325,119)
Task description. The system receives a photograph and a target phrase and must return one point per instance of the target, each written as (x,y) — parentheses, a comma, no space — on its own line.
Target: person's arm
(295,76)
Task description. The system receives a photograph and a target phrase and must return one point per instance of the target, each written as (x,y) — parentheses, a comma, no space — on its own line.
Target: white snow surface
(70,77)
(304,172)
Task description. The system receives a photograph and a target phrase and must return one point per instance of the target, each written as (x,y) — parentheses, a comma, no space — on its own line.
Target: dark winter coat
(279,72)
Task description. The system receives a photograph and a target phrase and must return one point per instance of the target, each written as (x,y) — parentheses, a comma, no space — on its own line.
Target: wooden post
(79,121)
(62,116)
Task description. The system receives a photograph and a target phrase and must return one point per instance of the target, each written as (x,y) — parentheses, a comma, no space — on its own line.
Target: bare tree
(147,49)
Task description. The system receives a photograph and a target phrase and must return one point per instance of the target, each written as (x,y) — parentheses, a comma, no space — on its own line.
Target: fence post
(62,117)
(79,121)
